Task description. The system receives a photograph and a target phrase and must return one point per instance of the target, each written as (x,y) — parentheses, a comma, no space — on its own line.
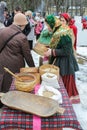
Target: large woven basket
(27,84)
(49,68)
(32,70)
(40,48)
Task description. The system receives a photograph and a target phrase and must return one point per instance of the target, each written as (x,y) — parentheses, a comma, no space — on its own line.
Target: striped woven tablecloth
(15,119)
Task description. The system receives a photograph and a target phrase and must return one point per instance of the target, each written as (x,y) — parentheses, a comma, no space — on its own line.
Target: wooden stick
(6,69)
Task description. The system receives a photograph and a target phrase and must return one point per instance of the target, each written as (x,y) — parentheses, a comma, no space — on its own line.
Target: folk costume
(62,51)
(71,24)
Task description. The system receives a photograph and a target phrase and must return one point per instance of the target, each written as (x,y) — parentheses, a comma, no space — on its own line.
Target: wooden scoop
(6,69)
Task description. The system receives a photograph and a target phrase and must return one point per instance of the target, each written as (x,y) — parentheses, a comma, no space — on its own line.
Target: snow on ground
(81,115)
(82,34)
(81,80)
(82,51)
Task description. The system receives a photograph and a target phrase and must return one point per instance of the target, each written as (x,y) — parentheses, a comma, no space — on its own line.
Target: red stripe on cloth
(75,101)
(36,119)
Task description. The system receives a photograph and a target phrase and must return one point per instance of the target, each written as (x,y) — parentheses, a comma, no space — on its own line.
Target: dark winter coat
(61,42)
(65,58)
(14,54)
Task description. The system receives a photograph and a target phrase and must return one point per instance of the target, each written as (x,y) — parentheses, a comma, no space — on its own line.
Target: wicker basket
(38,78)
(40,49)
(49,68)
(32,70)
(27,84)
(29,70)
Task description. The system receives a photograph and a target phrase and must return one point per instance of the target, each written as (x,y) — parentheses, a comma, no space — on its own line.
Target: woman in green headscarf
(62,52)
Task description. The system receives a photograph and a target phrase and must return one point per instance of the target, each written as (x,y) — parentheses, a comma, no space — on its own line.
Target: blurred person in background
(3,5)
(38,27)
(84,23)
(9,18)
(17,9)
(31,34)
(6,18)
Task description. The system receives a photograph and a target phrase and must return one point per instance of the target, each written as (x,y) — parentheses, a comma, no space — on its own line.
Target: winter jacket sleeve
(27,53)
(64,47)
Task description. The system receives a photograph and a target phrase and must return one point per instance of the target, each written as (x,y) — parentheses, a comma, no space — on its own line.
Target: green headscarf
(50,19)
(45,37)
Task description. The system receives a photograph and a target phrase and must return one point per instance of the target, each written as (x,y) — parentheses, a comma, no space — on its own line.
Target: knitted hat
(66,16)
(50,19)
(20,19)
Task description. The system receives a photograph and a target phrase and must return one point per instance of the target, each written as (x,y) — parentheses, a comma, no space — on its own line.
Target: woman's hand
(47,53)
